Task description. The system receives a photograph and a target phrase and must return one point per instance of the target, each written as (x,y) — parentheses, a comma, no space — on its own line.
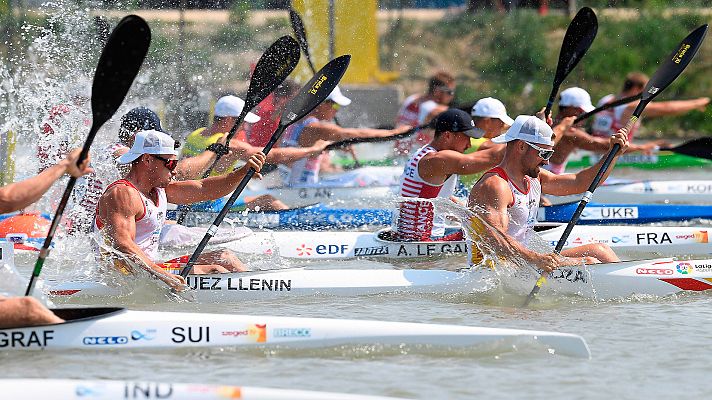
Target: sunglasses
(447,90)
(170,164)
(544,154)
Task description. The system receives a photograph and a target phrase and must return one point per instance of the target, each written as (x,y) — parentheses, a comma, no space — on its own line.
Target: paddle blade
(315,91)
(299,32)
(701,148)
(277,62)
(674,64)
(579,37)
(118,65)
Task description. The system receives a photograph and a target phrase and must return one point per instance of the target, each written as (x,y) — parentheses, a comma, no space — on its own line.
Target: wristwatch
(217,148)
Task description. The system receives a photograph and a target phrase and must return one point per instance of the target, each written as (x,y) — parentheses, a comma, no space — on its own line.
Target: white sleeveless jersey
(522,212)
(148,226)
(304,171)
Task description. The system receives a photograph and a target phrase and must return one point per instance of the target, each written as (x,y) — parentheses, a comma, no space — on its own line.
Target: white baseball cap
(529,129)
(231,106)
(149,142)
(337,97)
(491,108)
(576,97)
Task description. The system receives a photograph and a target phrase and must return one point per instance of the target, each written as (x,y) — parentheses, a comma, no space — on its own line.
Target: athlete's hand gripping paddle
(118,65)
(670,69)
(309,96)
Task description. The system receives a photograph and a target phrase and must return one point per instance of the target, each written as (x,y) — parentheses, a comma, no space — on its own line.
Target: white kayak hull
(657,277)
(110,390)
(630,242)
(123,329)
(649,192)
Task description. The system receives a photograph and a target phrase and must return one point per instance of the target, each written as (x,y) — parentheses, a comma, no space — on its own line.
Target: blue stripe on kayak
(627,213)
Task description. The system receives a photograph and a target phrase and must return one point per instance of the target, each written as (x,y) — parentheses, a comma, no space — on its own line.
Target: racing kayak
(319,217)
(649,192)
(659,160)
(657,277)
(118,328)
(630,242)
(605,213)
(343,197)
(111,390)
(313,217)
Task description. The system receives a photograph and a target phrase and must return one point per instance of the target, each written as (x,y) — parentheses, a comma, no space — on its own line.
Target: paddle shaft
(347,142)
(606,106)
(226,208)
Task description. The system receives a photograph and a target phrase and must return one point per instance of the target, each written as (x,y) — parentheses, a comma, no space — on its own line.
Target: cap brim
(501,139)
(251,118)
(474,133)
(506,120)
(588,108)
(340,100)
(128,158)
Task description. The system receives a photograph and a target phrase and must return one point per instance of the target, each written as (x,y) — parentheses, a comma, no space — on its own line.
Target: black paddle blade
(315,91)
(578,38)
(118,65)
(276,63)
(301,34)
(673,66)
(701,148)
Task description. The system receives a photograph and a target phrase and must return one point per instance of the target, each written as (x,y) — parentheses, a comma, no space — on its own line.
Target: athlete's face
(461,142)
(162,167)
(534,158)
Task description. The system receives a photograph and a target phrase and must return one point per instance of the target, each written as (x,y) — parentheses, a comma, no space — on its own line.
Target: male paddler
(319,125)
(432,172)
(132,210)
(506,198)
(27,311)
(573,102)
(227,109)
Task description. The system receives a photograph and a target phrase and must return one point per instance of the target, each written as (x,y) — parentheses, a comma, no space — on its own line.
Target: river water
(641,347)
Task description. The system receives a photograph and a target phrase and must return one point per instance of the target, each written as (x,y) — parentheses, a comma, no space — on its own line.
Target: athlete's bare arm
(118,209)
(193,191)
(567,184)
(335,133)
(668,108)
(25,311)
(19,195)
(437,167)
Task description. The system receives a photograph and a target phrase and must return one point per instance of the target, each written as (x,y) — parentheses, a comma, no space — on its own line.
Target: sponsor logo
(88,391)
(370,251)
(257,332)
(702,267)
(243,332)
(698,237)
(654,271)
(291,332)
(150,334)
(26,339)
(303,250)
(247,284)
(677,58)
(104,340)
(684,268)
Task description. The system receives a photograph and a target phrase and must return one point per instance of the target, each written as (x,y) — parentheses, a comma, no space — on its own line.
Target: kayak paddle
(579,37)
(118,65)
(276,63)
(671,68)
(309,96)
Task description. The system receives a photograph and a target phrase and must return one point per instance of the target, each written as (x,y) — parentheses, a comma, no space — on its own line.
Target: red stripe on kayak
(63,292)
(663,262)
(688,284)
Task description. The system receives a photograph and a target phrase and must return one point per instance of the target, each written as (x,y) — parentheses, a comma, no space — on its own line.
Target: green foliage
(513,57)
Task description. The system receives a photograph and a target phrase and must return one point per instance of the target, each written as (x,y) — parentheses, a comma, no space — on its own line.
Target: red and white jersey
(608,122)
(408,113)
(148,226)
(415,221)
